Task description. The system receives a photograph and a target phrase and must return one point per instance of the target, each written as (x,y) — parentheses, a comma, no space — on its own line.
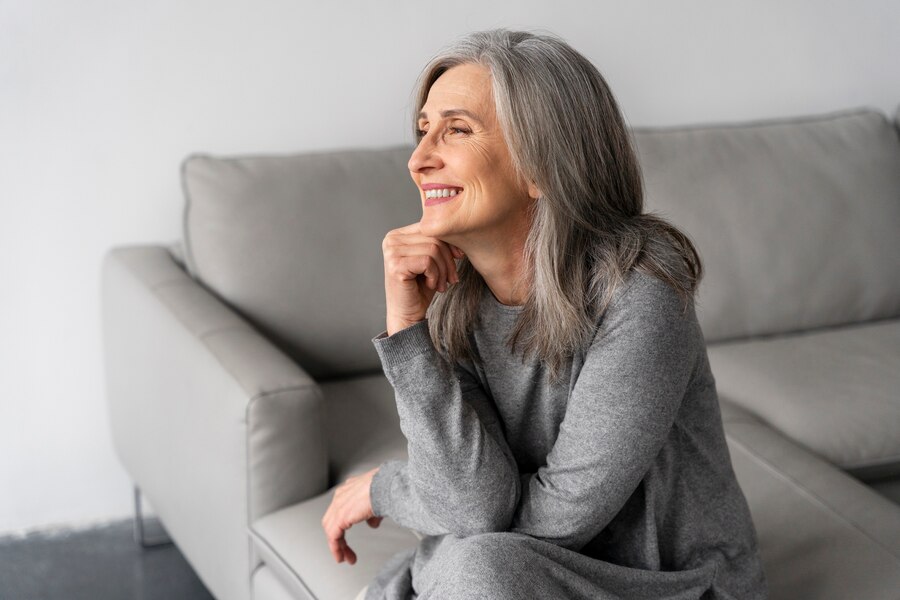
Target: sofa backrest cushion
(293,243)
(797,221)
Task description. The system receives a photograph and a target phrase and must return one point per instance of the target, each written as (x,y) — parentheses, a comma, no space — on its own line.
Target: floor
(103,563)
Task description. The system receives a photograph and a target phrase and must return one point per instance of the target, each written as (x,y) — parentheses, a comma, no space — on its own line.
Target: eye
(420,133)
(459,130)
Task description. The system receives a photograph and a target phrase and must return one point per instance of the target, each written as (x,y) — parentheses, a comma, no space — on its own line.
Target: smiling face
(461,150)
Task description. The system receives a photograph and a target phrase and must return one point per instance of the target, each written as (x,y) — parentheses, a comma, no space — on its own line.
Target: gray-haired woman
(552,381)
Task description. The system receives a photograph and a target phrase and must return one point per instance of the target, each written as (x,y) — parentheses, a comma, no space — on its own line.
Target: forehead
(463,86)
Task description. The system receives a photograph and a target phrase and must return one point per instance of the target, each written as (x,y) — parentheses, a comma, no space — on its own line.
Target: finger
(374,522)
(439,251)
(447,255)
(433,249)
(426,266)
(414,239)
(336,549)
(411,228)
(349,553)
(457,252)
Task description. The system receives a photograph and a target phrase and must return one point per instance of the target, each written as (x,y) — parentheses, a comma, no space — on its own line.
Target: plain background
(101,100)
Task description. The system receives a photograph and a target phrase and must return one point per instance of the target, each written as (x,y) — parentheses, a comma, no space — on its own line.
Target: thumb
(456,251)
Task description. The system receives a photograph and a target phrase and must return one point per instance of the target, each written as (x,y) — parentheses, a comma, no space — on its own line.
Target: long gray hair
(565,134)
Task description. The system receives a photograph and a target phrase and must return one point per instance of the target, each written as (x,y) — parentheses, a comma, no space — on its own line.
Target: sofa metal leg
(139,534)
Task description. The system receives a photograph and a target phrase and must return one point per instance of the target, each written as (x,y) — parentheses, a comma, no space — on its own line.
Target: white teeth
(442,193)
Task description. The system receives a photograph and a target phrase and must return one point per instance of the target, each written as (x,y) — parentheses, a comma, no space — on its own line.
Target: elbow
(492,512)
(484,523)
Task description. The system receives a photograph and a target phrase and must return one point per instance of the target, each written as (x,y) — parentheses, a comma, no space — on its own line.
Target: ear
(533,191)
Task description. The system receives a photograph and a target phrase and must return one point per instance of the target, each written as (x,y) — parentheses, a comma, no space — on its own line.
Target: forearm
(460,477)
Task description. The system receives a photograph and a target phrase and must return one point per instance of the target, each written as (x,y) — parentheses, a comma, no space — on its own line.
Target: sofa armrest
(216,425)
(822,534)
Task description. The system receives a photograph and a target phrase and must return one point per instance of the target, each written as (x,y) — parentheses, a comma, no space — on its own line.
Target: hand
(416,267)
(350,504)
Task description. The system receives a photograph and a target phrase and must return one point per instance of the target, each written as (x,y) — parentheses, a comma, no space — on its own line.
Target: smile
(440,196)
(442,193)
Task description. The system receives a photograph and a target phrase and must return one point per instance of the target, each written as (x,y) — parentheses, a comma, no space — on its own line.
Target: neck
(500,262)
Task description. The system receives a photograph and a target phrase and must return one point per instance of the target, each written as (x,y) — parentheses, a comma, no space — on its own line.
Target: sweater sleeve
(619,414)
(460,476)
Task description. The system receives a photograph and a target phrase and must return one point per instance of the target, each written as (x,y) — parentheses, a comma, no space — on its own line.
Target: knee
(483,566)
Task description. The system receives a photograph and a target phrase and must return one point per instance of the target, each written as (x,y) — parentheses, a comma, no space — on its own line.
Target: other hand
(350,504)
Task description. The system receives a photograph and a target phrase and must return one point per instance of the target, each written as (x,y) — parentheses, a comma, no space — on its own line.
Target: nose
(425,155)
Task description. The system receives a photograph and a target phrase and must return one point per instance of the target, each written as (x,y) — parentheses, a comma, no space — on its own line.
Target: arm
(204,411)
(619,414)
(461,476)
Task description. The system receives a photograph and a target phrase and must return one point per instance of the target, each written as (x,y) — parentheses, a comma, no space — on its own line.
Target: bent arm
(618,417)
(461,476)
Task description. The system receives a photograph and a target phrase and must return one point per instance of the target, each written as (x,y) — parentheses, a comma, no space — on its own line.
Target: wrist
(395,325)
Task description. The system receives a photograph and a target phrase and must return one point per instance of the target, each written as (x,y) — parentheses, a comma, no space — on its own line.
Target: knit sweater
(618,468)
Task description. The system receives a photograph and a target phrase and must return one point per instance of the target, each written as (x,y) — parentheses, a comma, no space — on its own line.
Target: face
(461,149)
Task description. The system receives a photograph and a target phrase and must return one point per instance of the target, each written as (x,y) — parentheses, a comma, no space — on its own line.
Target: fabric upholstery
(835,391)
(292,241)
(293,544)
(206,414)
(796,220)
(822,534)
(294,244)
(362,425)
(265,585)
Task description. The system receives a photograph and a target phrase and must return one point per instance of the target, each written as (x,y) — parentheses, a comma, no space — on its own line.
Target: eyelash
(420,133)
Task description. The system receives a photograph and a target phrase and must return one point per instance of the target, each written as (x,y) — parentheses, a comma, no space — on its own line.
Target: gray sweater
(621,464)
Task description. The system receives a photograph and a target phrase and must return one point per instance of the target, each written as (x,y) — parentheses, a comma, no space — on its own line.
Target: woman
(552,381)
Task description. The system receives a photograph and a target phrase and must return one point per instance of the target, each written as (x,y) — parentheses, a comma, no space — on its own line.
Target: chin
(432,227)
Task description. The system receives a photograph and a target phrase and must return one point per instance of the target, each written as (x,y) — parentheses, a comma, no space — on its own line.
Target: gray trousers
(513,566)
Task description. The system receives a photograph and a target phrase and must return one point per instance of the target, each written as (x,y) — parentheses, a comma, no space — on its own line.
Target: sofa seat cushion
(822,534)
(292,544)
(835,391)
(265,585)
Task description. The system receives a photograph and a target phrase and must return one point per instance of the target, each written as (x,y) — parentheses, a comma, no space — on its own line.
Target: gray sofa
(243,384)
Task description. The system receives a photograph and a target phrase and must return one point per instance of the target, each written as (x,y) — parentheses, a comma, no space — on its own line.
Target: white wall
(100,100)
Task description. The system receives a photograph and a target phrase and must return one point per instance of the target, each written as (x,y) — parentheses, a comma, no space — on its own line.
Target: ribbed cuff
(404,344)
(380,488)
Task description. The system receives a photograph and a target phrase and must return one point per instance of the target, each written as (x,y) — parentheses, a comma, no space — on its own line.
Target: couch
(243,386)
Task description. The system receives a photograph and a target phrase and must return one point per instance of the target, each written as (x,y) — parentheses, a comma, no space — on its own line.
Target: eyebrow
(454,112)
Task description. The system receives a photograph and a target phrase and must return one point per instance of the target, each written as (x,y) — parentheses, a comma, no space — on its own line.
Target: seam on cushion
(172,283)
(735,341)
(767,122)
(246,423)
(242,325)
(885,461)
(225,329)
(809,494)
(760,419)
(265,542)
(189,261)
(203,339)
(292,388)
(139,276)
